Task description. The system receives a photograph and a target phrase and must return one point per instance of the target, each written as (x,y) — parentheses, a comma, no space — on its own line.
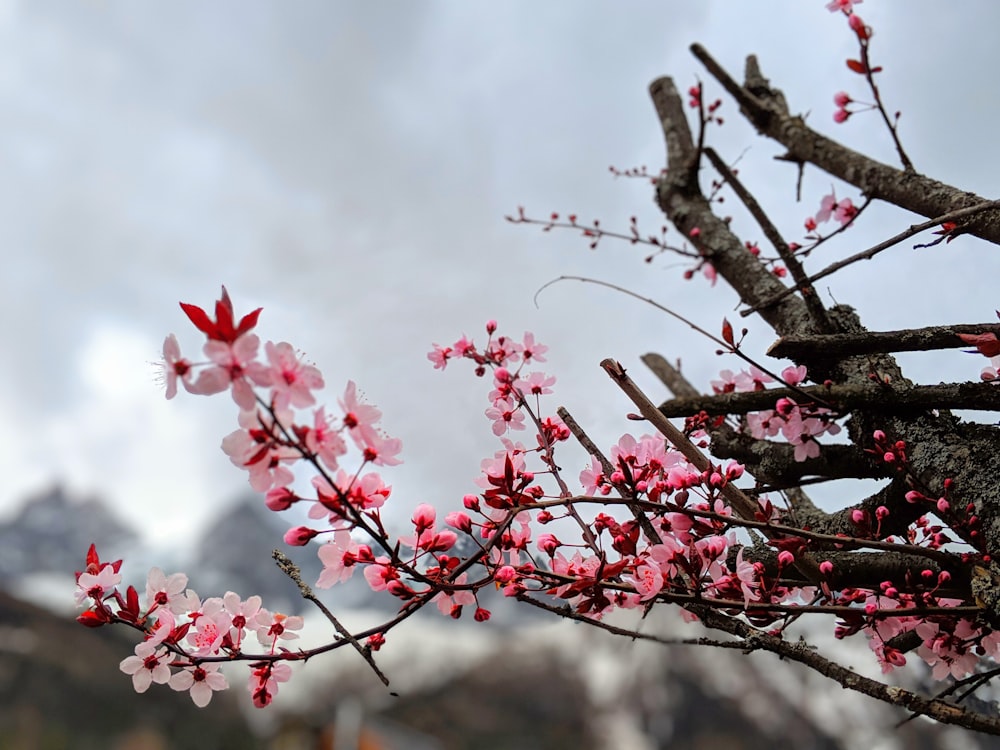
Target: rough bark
(855,366)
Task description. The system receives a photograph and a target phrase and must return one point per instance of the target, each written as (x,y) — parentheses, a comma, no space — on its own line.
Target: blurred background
(347,166)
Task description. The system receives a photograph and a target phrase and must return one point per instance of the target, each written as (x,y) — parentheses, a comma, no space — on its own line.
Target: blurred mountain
(523,684)
(52,532)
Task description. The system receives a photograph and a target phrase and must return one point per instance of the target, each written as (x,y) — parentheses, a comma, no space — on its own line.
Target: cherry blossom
(174,366)
(292,382)
(201,680)
(151,663)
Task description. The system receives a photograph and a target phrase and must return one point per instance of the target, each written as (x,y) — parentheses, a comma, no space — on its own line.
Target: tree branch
(878,399)
(902,188)
(872,342)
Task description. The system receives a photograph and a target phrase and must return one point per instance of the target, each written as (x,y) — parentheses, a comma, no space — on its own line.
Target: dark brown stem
(880,399)
(873,342)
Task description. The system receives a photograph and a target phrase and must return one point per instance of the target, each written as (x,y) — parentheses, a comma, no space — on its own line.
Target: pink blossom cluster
(663,529)
(185,638)
(842,211)
(799,424)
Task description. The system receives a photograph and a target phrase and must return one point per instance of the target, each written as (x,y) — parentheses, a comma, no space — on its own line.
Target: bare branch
(872,342)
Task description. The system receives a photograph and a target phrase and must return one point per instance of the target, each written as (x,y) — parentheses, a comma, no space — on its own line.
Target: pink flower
(166,591)
(241,614)
(201,680)
(95,585)
(358,416)
(174,366)
(794,375)
(647,580)
(263,684)
(264,461)
(234,363)
(844,5)
(592,479)
(270,627)
(845,211)
(451,604)
(505,416)
(291,381)
(381,450)
(149,665)
(439,356)
(211,625)
(380,574)
(535,384)
(339,558)
(532,352)
(826,207)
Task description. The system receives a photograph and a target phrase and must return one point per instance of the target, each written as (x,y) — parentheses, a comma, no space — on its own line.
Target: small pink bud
(424,516)
(505,575)
(943,505)
(548,543)
(826,568)
(695,232)
(481,615)
(299,536)
(841,99)
(785,558)
(471,502)
(280,498)
(491,327)
(841,115)
(858,516)
(459,520)
(881,513)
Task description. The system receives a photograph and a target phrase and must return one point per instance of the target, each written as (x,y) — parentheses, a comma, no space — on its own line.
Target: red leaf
(987,343)
(727,332)
(221,329)
(857,66)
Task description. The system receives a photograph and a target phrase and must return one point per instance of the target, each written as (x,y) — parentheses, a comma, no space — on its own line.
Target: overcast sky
(347,166)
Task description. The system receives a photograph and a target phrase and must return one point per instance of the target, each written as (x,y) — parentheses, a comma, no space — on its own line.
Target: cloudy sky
(347,166)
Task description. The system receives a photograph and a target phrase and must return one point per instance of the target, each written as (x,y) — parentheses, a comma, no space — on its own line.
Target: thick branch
(801,652)
(903,188)
(680,197)
(872,342)
(881,399)
(774,237)
(774,464)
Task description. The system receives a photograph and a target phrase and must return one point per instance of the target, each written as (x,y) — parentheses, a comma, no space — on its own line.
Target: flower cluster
(651,526)
(842,211)
(185,638)
(799,424)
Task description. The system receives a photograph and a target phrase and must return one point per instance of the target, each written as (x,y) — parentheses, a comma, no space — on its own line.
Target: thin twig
(871,252)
